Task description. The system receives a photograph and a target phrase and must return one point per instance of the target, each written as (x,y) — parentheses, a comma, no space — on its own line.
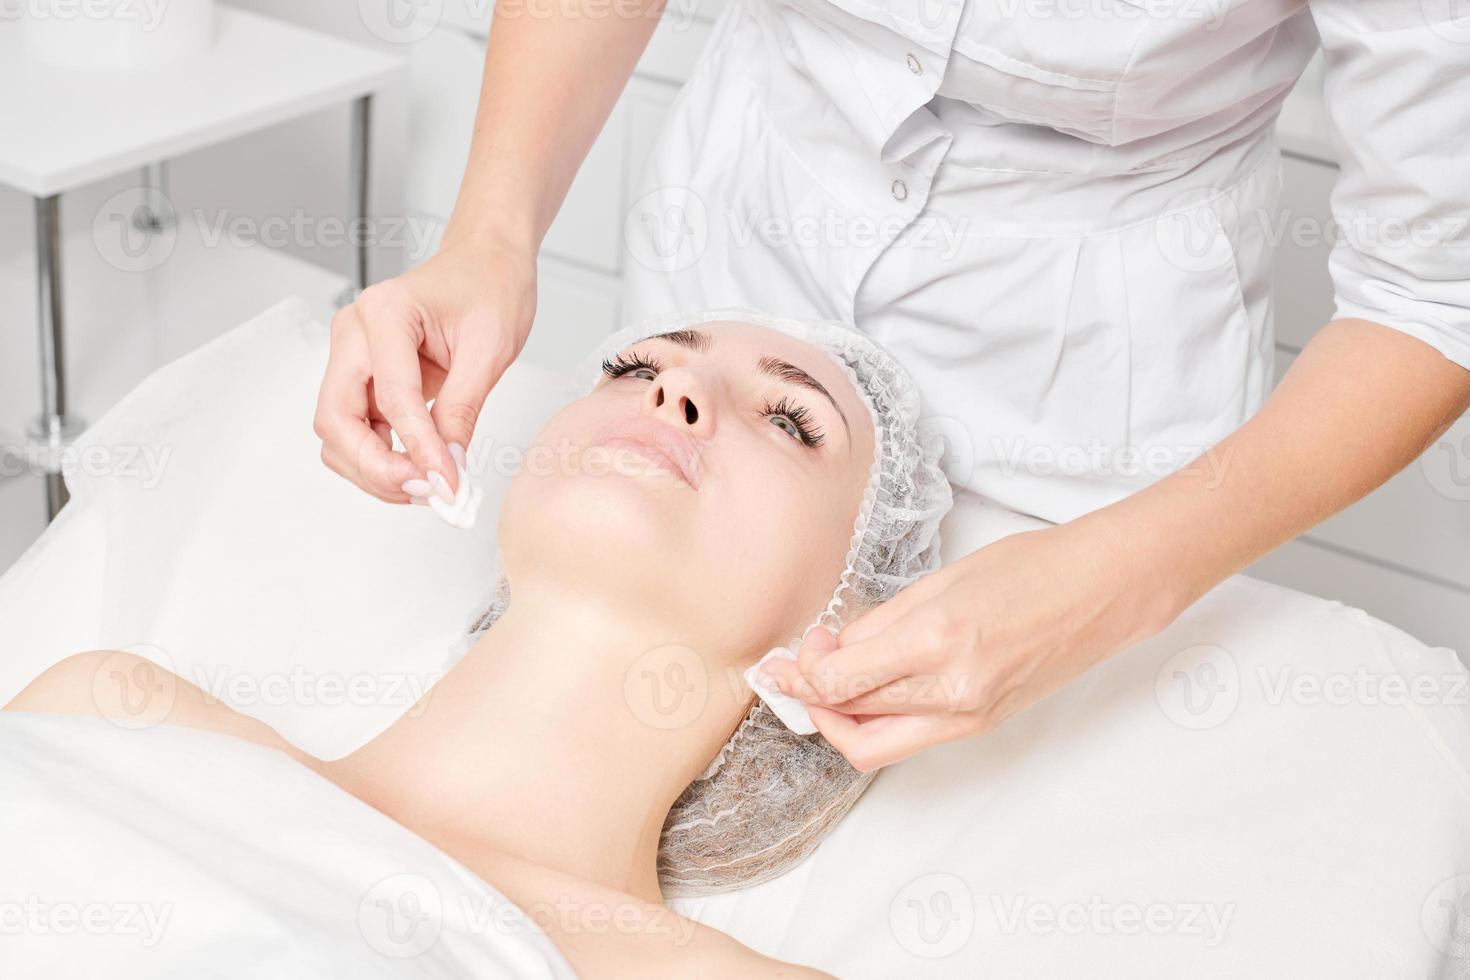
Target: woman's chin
(633,522)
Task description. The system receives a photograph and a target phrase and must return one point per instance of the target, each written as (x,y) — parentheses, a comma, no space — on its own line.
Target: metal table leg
(360,142)
(145,218)
(53,430)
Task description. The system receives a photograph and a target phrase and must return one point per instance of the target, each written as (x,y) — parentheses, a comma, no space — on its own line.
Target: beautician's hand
(445,330)
(964,648)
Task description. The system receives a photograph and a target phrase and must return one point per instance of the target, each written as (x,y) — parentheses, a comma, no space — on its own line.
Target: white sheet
(174,853)
(1326,834)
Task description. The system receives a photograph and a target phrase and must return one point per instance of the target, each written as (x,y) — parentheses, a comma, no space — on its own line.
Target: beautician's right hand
(446,331)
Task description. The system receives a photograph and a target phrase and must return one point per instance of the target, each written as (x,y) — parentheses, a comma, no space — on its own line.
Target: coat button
(914,65)
(900,190)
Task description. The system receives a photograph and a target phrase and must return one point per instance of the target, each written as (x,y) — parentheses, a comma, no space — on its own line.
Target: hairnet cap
(770,795)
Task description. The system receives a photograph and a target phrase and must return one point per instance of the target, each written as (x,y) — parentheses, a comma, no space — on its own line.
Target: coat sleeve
(1398,95)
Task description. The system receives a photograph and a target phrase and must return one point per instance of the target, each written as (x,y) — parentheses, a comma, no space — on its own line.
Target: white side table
(65,128)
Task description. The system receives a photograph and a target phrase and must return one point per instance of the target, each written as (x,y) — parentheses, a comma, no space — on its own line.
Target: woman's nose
(678,397)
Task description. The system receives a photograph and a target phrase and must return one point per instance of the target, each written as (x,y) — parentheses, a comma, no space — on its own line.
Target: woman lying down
(727,484)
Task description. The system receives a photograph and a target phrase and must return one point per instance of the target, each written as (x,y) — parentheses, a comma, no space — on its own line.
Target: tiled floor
(120,326)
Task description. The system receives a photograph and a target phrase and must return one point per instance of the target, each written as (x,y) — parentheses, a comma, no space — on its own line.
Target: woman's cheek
(813,524)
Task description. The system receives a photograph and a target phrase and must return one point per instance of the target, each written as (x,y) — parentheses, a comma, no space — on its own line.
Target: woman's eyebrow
(696,340)
(790,373)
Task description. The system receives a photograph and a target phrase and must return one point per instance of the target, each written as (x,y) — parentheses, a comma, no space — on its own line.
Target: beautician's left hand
(964,648)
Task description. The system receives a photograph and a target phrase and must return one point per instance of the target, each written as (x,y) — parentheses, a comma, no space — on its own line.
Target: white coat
(1059,213)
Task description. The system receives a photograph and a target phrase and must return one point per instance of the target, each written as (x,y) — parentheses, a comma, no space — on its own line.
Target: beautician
(1059,214)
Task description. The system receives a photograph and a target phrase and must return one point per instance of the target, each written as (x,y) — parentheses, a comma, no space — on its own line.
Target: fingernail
(421,501)
(460,459)
(441,486)
(417,488)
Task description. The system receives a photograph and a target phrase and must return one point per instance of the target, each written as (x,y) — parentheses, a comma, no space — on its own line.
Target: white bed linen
(1128,826)
(175,853)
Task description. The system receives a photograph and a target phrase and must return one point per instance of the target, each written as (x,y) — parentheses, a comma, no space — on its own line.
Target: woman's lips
(659,441)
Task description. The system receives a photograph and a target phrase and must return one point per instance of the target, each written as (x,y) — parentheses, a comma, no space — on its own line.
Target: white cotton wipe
(791,711)
(461,512)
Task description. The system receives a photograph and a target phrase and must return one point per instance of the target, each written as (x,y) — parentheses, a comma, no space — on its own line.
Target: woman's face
(711,478)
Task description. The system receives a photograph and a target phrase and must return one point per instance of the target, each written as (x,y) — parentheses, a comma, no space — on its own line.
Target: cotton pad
(466,504)
(791,711)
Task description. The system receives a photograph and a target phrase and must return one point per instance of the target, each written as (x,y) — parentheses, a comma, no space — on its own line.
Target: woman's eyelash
(618,366)
(800,418)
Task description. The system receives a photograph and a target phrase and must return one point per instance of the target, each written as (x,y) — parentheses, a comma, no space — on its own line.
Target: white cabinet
(676,46)
(443,92)
(648,105)
(1303,293)
(446,68)
(589,227)
(581,258)
(575,309)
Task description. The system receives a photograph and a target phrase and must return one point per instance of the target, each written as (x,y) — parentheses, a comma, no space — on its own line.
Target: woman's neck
(564,737)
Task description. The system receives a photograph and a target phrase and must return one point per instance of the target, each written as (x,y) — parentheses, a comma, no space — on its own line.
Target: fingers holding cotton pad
(462,506)
(791,711)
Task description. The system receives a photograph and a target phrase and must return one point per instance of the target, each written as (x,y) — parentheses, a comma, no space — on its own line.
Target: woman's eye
(635,365)
(786,425)
(795,421)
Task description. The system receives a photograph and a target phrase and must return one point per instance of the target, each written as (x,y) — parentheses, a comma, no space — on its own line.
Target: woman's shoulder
(135,692)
